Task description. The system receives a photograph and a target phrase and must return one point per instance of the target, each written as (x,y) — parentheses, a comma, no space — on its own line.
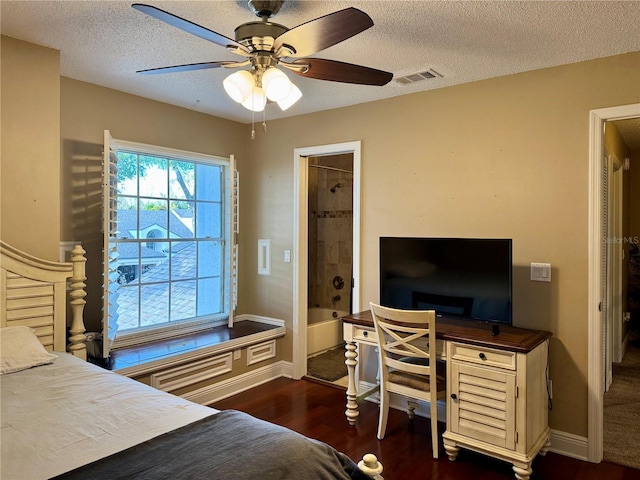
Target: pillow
(20,349)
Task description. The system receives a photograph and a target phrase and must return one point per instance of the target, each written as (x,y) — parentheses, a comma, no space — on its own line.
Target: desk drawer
(365,335)
(368,336)
(483,356)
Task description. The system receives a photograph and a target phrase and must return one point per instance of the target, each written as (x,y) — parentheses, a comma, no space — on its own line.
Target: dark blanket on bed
(228,445)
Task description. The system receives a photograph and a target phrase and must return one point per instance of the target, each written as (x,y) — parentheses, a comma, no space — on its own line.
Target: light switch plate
(541,272)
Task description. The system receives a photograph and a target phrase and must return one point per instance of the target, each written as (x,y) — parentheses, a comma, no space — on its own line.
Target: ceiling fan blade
(323,32)
(190,27)
(192,66)
(334,71)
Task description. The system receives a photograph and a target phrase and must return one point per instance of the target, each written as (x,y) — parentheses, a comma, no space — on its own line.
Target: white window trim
(184,327)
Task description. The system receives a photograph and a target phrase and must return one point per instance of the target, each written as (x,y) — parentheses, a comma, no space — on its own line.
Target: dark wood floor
(317,410)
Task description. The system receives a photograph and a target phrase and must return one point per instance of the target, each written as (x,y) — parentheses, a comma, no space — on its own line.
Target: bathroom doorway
(326,249)
(330,257)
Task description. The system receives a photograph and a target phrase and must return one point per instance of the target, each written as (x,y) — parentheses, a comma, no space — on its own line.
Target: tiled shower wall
(330,232)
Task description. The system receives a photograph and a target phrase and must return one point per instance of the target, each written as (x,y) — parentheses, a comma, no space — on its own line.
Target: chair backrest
(406,340)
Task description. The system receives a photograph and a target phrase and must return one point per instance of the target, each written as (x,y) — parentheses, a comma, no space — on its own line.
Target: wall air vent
(417,77)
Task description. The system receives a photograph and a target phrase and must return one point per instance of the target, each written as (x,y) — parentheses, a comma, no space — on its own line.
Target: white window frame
(165,331)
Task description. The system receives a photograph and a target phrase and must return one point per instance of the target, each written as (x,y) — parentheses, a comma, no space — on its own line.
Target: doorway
(599,349)
(305,161)
(330,244)
(613,262)
(621,429)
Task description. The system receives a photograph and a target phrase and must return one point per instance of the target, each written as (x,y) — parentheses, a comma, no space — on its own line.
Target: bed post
(77,337)
(371,466)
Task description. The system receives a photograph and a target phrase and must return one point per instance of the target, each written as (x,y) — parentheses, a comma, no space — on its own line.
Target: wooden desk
(497,401)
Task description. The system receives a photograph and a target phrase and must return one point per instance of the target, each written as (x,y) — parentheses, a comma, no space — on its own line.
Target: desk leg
(452,450)
(522,471)
(352,392)
(545,448)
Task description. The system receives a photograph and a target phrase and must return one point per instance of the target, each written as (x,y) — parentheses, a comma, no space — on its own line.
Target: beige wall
(506,157)
(30,151)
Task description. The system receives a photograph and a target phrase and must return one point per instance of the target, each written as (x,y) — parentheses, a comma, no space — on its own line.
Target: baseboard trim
(238,384)
(398,402)
(562,443)
(569,445)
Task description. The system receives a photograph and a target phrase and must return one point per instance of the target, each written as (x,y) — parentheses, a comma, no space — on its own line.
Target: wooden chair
(407,359)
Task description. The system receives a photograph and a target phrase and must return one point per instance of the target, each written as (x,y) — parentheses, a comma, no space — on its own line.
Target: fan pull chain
(264,119)
(253,130)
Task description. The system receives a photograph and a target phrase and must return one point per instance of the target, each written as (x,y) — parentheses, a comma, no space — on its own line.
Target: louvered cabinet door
(483,403)
(497,403)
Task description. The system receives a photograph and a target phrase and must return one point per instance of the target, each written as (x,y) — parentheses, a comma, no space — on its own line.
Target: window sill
(144,359)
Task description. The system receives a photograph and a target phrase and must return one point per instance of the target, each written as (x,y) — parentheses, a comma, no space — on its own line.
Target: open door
(614,264)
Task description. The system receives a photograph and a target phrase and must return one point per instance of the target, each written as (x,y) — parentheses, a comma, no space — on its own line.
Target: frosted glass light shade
(238,85)
(275,84)
(256,101)
(294,95)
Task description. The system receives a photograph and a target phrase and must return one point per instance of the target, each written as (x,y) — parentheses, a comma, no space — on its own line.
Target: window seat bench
(183,364)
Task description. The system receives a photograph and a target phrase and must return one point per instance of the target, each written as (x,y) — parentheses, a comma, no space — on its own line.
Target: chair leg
(384,413)
(411,408)
(434,427)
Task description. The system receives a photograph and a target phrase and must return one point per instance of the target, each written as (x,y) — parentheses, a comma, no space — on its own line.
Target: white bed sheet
(57,417)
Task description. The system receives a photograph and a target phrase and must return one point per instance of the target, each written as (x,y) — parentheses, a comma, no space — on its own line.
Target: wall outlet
(237,353)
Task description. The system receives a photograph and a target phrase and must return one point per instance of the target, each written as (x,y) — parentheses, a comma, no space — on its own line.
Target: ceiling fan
(266,45)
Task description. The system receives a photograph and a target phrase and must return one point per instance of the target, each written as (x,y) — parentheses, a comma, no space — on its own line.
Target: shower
(330,232)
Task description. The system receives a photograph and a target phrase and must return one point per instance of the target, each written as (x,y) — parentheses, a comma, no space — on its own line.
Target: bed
(64,418)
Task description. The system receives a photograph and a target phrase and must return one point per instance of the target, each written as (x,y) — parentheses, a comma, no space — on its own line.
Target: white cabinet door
(483,403)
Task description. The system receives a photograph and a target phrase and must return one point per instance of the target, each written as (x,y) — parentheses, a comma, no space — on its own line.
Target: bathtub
(324,329)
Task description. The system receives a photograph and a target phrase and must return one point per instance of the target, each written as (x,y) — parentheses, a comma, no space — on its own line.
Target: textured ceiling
(105,42)
(630,132)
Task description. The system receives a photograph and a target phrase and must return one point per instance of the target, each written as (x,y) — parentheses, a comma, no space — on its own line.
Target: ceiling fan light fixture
(256,101)
(239,85)
(265,46)
(276,84)
(294,95)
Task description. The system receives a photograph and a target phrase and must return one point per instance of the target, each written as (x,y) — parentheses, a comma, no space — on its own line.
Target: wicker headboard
(33,292)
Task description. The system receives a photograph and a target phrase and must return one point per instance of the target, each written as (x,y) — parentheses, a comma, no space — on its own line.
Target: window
(170,237)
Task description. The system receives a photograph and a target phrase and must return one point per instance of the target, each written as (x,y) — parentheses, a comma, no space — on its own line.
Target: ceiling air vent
(417,77)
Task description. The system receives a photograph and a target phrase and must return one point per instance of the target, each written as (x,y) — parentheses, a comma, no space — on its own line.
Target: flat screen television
(469,278)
